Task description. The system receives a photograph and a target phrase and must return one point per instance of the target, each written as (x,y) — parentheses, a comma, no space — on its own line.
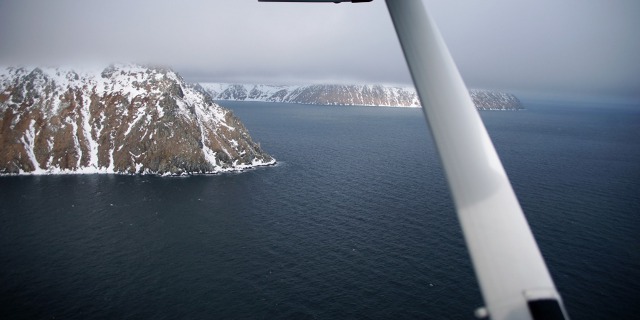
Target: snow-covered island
(118,119)
(358,95)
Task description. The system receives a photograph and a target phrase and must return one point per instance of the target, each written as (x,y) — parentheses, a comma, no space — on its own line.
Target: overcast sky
(582,47)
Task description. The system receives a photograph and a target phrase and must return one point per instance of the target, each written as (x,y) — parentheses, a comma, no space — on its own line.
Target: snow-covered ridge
(118,119)
(361,95)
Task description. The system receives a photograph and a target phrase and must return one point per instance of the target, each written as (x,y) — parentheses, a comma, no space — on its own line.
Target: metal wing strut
(513,277)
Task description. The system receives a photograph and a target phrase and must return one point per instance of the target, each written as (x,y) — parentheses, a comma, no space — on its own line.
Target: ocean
(354,222)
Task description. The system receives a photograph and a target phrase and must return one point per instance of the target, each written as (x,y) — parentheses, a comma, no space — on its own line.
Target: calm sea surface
(355,222)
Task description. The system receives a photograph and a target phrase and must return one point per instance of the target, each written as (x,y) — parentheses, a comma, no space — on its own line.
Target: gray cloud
(571,46)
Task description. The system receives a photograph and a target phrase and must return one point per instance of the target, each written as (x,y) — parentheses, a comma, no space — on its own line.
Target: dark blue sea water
(355,222)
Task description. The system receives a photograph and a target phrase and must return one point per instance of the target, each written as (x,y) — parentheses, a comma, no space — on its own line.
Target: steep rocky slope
(493,100)
(362,95)
(120,119)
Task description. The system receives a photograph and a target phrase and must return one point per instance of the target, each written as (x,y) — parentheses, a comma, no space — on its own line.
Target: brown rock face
(358,95)
(492,100)
(123,119)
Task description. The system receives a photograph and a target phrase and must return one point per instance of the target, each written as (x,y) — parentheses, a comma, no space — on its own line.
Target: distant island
(118,119)
(348,95)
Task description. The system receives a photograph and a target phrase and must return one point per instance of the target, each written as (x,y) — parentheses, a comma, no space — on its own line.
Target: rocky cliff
(493,100)
(120,119)
(362,95)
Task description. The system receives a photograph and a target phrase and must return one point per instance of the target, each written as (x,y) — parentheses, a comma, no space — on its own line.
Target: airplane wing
(334,1)
(513,277)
